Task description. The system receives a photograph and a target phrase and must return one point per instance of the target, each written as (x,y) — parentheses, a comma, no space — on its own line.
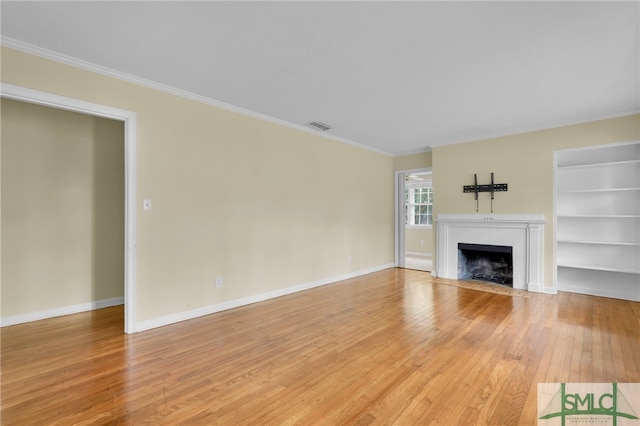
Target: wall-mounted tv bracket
(492,187)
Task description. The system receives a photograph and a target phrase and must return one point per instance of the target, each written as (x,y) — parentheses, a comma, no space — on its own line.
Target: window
(418,198)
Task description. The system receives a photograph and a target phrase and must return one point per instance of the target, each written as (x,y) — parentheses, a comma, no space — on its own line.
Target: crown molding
(435,143)
(518,130)
(413,152)
(99,69)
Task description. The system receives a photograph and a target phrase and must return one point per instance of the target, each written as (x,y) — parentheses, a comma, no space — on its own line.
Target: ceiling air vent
(319,126)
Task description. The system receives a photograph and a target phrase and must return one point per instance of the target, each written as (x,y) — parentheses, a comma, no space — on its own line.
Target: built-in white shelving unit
(598,220)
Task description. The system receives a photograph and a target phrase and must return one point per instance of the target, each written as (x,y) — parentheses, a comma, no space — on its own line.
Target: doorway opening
(129,119)
(414,219)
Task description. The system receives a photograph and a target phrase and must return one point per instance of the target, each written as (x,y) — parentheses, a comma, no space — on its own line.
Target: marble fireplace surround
(523,232)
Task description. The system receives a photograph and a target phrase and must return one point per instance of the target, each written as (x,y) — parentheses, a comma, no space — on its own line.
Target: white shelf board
(602,164)
(611,243)
(600,268)
(598,216)
(589,191)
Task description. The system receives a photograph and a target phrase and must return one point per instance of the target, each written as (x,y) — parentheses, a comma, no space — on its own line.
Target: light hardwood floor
(393,347)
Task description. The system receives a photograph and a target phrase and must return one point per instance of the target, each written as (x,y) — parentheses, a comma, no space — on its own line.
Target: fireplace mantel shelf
(492,218)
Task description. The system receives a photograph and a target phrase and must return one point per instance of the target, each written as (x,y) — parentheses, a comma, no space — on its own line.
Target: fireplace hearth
(483,262)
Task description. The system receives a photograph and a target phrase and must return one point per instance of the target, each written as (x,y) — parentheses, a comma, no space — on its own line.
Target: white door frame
(11,91)
(399,212)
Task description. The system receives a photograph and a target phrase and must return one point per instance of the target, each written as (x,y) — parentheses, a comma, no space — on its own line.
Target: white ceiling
(398,77)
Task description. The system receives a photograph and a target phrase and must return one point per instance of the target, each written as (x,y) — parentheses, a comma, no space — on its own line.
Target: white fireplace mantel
(523,232)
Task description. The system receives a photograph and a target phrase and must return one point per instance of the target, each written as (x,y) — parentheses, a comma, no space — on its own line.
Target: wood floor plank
(394,347)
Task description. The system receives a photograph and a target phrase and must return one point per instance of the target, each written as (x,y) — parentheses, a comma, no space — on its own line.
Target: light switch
(146,204)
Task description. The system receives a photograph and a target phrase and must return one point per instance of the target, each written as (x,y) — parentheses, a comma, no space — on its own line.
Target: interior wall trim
(418,253)
(456,139)
(99,69)
(129,118)
(58,312)
(211,309)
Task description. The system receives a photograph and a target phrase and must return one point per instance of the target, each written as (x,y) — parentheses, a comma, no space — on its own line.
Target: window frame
(409,195)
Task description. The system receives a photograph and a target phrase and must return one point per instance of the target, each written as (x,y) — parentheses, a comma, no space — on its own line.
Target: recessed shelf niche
(597,203)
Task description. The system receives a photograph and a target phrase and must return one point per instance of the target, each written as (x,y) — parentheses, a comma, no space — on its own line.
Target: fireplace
(522,233)
(484,262)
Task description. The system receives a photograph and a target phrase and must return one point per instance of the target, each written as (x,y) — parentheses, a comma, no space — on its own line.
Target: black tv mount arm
(492,187)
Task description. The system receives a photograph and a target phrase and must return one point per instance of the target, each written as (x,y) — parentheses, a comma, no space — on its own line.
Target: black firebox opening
(486,263)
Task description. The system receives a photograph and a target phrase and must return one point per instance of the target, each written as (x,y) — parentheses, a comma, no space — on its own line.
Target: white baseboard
(540,288)
(58,312)
(549,290)
(600,293)
(211,309)
(418,254)
(535,288)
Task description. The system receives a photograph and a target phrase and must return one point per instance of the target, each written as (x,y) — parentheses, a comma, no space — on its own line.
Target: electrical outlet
(348,259)
(218,282)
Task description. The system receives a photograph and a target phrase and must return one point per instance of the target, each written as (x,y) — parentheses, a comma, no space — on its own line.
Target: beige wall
(62,208)
(523,161)
(412,161)
(419,240)
(265,206)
